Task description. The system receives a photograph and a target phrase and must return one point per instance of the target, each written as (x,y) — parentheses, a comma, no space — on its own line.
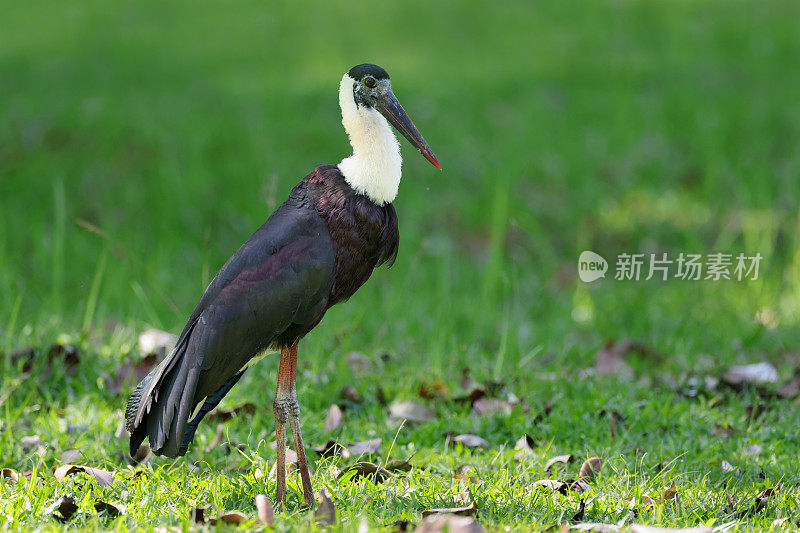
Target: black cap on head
(364,69)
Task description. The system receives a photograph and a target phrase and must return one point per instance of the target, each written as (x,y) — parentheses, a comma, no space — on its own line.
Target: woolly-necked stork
(314,251)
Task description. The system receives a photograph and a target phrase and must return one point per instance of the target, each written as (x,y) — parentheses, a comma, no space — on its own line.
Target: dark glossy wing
(280,278)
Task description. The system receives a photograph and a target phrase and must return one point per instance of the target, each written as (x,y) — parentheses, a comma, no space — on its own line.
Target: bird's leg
(287,408)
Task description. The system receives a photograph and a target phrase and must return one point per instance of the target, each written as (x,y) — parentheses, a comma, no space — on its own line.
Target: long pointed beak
(389,107)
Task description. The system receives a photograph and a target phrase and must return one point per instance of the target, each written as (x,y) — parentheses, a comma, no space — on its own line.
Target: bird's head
(372,89)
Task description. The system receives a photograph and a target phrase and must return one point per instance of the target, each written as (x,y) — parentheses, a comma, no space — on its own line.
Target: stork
(314,251)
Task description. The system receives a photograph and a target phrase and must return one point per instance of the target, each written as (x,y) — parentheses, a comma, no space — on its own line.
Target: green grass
(141,143)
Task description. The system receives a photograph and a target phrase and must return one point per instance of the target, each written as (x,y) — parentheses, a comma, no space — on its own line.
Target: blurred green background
(142,142)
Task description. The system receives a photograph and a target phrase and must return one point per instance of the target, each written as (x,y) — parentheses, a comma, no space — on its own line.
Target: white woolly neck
(374,168)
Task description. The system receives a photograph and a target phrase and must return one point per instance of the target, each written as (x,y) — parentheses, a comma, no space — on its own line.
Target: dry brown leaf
(468,510)
(434,390)
(62,509)
(113,509)
(349,394)
(610,360)
(400,465)
(670,493)
(156,342)
(325,513)
(368,470)
(412,412)
(365,447)
(590,468)
(70,455)
(31,442)
(439,523)
(9,473)
(223,415)
(642,528)
(757,373)
(597,527)
(103,477)
(524,447)
(471,441)
(358,363)
(332,449)
(334,418)
(129,374)
(791,389)
(559,459)
(230,517)
(266,512)
(489,406)
(561,486)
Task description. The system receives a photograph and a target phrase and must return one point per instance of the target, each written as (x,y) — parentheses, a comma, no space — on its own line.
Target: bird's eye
(370,82)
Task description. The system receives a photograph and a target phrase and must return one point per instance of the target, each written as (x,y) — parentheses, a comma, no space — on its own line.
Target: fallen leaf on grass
(434,390)
(368,470)
(30,442)
(9,473)
(349,394)
(642,528)
(597,527)
(103,477)
(471,441)
(670,493)
(113,509)
(358,363)
(752,450)
(325,513)
(590,468)
(411,411)
(70,455)
(439,523)
(332,449)
(266,512)
(791,389)
(62,509)
(559,459)
(468,510)
(727,467)
(130,374)
(156,342)
(223,415)
(334,418)
(400,465)
(230,517)
(610,360)
(524,447)
(488,406)
(561,486)
(757,373)
(365,447)
(760,502)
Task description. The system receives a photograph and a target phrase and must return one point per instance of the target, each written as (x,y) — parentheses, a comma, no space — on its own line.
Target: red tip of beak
(430,157)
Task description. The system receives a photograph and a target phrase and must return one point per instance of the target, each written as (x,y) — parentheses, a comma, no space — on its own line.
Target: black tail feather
(210,403)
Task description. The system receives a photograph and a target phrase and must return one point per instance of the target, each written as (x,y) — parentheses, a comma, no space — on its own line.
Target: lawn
(141,143)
